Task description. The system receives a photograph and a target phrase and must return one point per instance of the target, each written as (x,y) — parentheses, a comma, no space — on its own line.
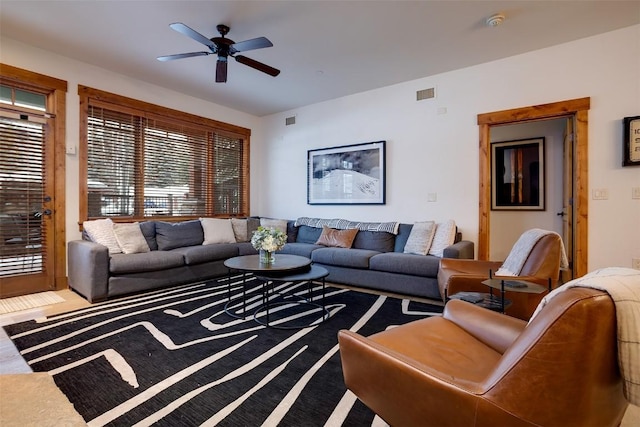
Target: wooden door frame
(56,91)
(577,108)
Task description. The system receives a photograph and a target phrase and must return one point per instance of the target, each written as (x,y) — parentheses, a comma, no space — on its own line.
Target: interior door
(26,216)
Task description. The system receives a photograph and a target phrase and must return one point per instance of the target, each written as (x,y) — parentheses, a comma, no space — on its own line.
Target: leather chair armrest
(494,329)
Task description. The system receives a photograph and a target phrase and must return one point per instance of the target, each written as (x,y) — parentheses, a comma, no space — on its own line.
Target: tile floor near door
(12,363)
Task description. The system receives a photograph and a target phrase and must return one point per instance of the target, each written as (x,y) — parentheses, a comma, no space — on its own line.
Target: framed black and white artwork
(347,175)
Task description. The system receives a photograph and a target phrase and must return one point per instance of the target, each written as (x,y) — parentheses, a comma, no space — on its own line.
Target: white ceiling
(325,49)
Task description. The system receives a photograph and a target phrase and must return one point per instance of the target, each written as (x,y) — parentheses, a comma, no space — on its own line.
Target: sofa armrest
(464,249)
(88,269)
(496,330)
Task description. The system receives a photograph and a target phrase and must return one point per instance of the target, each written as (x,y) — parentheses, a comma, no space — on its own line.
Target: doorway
(32,242)
(576,218)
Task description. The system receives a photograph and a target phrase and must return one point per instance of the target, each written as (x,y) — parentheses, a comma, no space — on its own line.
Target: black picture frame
(347,175)
(518,175)
(631,144)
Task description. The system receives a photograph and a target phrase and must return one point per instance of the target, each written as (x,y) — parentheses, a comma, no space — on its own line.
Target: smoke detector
(495,20)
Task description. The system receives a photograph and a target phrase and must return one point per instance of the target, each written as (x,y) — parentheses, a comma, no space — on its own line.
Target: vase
(267,257)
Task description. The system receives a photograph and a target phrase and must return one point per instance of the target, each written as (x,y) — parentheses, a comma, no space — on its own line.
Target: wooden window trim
(95,97)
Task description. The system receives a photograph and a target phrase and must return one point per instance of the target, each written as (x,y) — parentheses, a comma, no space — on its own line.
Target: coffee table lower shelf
(271,300)
(484,299)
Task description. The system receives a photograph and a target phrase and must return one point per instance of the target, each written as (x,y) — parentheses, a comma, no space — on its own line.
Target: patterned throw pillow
(130,238)
(420,239)
(444,237)
(101,231)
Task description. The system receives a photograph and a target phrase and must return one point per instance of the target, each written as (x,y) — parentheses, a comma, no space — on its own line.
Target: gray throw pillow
(171,235)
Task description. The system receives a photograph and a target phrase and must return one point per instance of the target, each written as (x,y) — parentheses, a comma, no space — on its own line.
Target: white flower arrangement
(268,239)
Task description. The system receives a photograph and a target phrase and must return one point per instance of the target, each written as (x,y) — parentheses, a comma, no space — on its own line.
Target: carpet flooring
(176,357)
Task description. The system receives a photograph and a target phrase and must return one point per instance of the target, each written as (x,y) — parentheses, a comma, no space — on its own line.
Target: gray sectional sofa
(177,256)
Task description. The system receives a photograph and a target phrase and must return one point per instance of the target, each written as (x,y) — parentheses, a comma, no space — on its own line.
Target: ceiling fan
(224,48)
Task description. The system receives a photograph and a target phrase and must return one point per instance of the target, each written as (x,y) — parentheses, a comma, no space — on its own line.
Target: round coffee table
(284,264)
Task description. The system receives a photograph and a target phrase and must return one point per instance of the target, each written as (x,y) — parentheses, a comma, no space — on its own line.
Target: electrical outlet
(432,197)
(635,263)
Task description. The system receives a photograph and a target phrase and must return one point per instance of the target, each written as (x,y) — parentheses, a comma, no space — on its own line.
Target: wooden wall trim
(535,112)
(578,108)
(19,75)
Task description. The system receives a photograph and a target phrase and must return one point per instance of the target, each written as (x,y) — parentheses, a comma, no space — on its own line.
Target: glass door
(26,226)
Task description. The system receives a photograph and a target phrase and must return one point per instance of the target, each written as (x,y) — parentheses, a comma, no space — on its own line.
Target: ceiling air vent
(426,94)
(290,121)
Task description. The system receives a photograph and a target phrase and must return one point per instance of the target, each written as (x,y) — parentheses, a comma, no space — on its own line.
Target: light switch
(432,197)
(635,193)
(71,149)
(600,194)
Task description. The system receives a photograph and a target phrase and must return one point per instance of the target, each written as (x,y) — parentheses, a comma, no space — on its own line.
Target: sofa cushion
(278,224)
(239,226)
(170,235)
(380,241)
(149,261)
(336,238)
(207,253)
(301,249)
(415,265)
(341,257)
(445,236)
(252,225)
(148,229)
(308,234)
(101,231)
(292,232)
(217,230)
(130,237)
(420,239)
(404,230)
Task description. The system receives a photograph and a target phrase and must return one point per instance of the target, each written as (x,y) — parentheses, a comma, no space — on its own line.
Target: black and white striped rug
(176,358)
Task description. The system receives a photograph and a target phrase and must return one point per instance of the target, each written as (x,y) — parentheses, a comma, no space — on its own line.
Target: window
(22,98)
(143,160)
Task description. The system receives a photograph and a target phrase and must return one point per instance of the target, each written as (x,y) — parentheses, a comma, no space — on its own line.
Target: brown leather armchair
(476,367)
(542,264)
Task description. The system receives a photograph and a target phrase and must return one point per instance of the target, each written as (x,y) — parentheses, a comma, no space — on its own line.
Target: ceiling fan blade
(257,65)
(221,71)
(182,55)
(257,43)
(189,32)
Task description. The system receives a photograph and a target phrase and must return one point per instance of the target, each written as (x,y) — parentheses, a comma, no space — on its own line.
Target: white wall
(428,152)
(78,73)
(507,226)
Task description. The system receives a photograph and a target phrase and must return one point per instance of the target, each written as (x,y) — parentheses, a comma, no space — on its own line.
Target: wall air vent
(426,94)
(290,121)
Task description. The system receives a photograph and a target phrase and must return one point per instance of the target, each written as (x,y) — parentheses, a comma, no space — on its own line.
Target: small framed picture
(631,156)
(347,175)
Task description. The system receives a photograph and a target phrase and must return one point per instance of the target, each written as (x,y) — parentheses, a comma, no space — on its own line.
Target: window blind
(143,164)
(21,195)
